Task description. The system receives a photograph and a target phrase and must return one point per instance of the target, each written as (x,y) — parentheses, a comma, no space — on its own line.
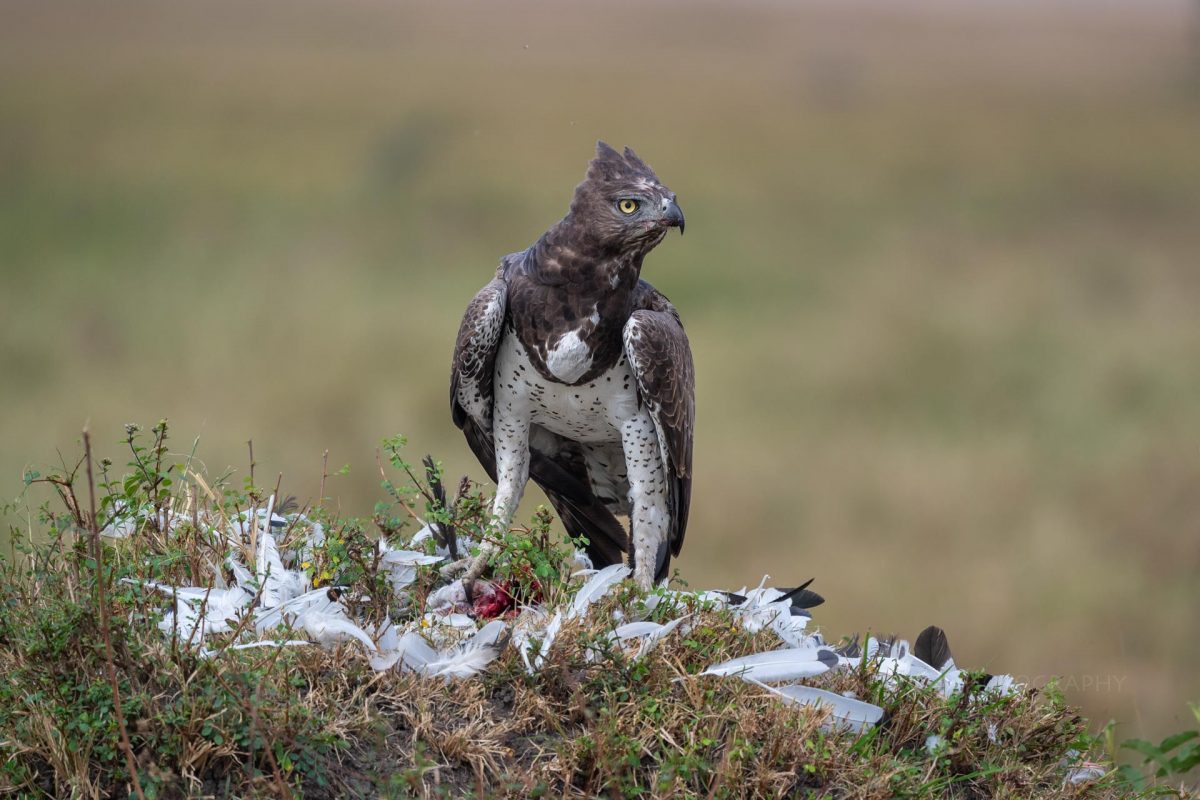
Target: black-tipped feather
(801,597)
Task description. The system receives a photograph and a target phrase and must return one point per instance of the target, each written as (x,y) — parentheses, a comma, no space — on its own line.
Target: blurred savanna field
(941,277)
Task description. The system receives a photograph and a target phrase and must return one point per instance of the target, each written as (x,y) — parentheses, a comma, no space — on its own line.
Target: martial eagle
(571,370)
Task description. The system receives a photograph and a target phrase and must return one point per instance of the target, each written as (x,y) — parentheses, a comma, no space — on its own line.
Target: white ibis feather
(845,711)
(595,588)
(328,629)
(778,665)
(463,661)
(278,584)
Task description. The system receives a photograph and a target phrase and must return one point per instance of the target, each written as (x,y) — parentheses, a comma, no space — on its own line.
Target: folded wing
(661,359)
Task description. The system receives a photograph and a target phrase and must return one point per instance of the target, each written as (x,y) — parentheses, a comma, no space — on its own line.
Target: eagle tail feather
(604,534)
(582,513)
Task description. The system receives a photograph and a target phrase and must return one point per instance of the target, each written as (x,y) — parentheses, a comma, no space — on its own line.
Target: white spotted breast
(588,412)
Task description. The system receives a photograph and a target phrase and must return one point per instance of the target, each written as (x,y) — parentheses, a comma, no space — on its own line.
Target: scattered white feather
(678,601)
(636,630)
(646,635)
(546,640)
(125,521)
(763,607)
(218,576)
(595,588)
(445,629)
(463,661)
(528,628)
(416,653)
(264,517)
(210,652)
(1003,685)
(241,576)
(317,600)
(462,543)
(448,620)
(900,662)
(305,547)
(329,629)
(120,528)
(792,630)
(425,532)
(192,622)
(1085,772)
(778,665)
(199,610)
(846,712)
(412,558)
(401,565)
(473,655)
(460,651)
(387,647)
(579,562)
(277,583)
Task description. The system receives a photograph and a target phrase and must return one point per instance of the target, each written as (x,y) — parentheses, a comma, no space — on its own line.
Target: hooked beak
(673,217)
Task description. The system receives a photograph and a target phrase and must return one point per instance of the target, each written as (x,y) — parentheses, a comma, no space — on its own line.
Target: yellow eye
(627,206)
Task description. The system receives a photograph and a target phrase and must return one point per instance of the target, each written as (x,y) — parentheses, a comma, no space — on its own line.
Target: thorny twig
(98,556)
(250,444)
(324,474)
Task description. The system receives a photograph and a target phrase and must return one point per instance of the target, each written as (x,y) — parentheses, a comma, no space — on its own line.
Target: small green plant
(529,561)
(1176,755)
(532,560)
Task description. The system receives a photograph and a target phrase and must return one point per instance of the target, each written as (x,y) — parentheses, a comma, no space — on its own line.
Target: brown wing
(661,359)
(472,370)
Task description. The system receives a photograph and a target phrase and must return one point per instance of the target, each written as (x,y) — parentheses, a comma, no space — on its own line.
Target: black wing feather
(932,647)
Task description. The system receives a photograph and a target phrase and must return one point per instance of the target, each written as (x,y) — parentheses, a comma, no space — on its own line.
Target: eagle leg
(649,508)
(512,473)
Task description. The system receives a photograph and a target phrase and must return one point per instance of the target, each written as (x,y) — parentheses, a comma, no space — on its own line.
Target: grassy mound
(94,693)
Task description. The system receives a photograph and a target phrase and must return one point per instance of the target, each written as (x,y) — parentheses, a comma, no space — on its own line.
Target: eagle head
(621,203)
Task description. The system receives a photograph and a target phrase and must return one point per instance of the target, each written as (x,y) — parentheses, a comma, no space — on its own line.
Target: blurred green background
(941,277)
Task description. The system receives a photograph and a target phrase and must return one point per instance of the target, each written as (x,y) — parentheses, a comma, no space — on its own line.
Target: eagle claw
(454,567)
(469,568)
